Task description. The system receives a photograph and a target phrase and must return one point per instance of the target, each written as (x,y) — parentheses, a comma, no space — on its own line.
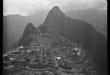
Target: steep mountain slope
(27,36)
(29,29)
(77,31)
(14,26)
(97,18)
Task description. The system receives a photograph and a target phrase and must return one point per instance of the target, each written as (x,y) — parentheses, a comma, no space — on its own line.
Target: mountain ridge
(78,31)
(97,18)
(15,24)
(29,29)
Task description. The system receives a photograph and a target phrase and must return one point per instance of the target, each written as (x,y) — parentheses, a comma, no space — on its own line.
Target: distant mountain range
(96,17)
(15,24)
(75,30)
(13,28)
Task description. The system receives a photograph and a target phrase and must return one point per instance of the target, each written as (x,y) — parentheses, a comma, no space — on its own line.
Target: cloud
(27,7)
(69,5)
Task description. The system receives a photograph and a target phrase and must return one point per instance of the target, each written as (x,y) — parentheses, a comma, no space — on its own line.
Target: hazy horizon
(29,7)
(16,21)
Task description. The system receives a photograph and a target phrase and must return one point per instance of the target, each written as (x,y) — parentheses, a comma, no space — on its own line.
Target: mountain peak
(55,8)
(55,11)
(55,14)
(29,25)
(29,29)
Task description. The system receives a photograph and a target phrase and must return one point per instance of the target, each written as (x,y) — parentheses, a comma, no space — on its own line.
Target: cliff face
(29,29)
(27,36)
(78,31)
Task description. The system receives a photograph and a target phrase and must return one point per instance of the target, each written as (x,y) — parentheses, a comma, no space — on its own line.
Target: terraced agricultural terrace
(48,54)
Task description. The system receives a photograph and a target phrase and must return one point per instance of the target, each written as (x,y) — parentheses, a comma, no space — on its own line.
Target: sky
(29,7)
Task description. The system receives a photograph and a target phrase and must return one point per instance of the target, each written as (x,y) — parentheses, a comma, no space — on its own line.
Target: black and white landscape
(55,42)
